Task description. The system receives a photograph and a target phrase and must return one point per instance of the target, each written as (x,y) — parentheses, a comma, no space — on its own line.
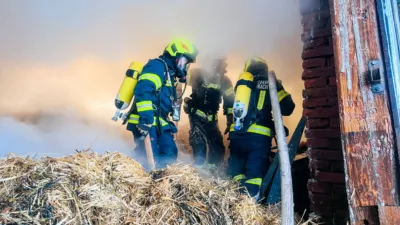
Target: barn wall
(326,186)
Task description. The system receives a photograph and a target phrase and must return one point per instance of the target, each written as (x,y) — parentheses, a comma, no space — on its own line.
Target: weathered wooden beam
(390,34)
(366,126)
(390,215)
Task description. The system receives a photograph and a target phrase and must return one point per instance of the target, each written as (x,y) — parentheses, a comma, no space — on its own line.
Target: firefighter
(155,101)
(209,87)
(251,135)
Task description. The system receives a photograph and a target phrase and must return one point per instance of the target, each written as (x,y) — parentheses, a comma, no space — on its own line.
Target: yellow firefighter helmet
(255,64)
(182,47)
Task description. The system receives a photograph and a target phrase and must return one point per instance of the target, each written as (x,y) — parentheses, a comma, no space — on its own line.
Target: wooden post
(149,152)
(366,126)
(285,168)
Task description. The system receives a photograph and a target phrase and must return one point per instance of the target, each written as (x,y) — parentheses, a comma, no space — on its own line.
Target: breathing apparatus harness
(255,115)
(175,106)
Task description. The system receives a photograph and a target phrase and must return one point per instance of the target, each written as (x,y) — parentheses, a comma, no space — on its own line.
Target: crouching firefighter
(156,100)
(250,136)
(209,87)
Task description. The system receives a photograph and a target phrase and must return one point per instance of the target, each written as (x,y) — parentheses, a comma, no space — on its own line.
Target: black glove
(229,121)
(144,129)
(187,105)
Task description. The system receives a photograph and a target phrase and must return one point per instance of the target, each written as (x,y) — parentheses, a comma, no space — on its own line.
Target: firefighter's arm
(285,100)
(149,82)
(228,96)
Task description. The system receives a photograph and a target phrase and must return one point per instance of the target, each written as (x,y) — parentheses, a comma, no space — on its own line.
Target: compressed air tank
(125,93)
(242,99)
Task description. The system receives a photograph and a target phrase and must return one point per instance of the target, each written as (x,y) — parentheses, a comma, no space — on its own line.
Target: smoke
(62,63)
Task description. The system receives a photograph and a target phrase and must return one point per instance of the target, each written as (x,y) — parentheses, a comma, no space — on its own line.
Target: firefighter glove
(187,105)
(229,121)
(144,129)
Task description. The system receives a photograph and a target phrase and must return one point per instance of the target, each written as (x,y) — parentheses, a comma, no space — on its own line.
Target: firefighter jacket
(208,91)
(259,118)
(154,95)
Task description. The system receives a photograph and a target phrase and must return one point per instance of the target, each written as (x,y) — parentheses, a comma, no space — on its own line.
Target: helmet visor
(183,65)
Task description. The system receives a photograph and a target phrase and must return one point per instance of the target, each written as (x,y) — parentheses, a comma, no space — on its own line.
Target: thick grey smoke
(63,62)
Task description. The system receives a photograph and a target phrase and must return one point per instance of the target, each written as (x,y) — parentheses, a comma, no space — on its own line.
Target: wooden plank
(367,215)
(367,135)
(390,32)
(389,215)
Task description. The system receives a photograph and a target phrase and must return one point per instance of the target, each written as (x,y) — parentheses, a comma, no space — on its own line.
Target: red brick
(313,63)
(325,154)
(322,211)
(335,122)
(317,123)
(321,112)
(320,165)
(315,17)
(338,166)
(339,190)
(330,177)
(309,6)
(319,92)
(316,43)
(325,200)
(335,144)
(318,72)
(316,24)
(315,102)
(332,81)
(317,52)
(315,83)
(332,101)
(317,33)
(342,212)
(319,187)
(331,60)
(322,133)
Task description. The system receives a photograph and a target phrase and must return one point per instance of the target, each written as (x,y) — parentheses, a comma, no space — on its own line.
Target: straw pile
(88,188)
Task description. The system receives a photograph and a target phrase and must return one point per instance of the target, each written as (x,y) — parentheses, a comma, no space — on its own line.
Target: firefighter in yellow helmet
(155,101)
(250,135)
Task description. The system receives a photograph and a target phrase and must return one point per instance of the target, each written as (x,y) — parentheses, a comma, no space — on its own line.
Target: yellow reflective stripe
(282,94)
(134,119)
(144,106)
(255,181)
(151,77)
(201,113)
(239,177)
(229,111)
(204,115)
(211,85)
(232,128)
(229,92)
(261,100)
(211,117)
(258,129)
(168,83)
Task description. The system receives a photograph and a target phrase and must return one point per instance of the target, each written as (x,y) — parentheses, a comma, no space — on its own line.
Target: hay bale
(88,188)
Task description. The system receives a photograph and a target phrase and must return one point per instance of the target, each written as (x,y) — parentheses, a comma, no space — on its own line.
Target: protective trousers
(203,133)
(164,148)
(249,160)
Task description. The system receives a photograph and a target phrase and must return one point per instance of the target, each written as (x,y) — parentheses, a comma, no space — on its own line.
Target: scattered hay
(88,188)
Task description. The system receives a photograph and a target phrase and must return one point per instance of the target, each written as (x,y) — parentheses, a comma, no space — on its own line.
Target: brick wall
(326,186)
